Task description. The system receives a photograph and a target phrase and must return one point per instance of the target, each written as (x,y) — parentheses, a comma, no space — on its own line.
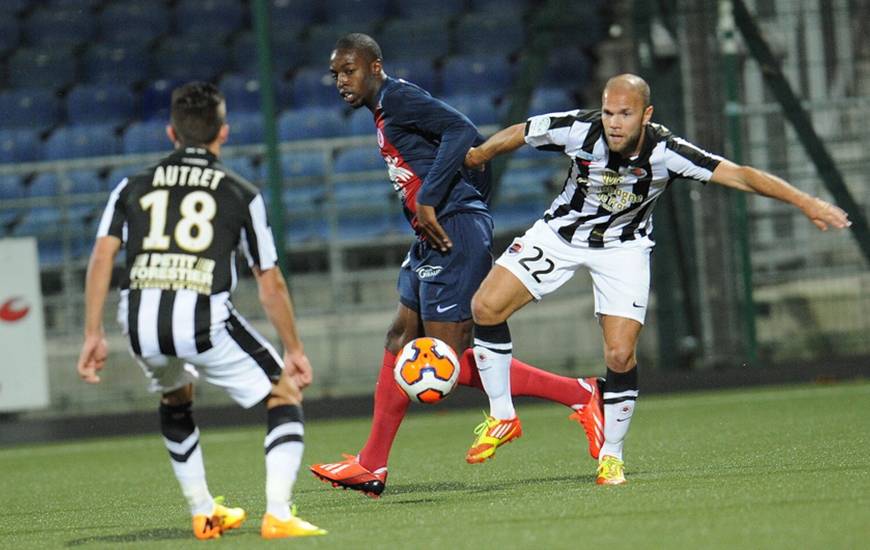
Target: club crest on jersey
(380,134)
(637,172)
(428,271)
(515,248)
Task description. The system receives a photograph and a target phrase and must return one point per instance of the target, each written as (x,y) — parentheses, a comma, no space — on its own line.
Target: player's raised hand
(92,358)
(824,214)
(299,368)
(431,229)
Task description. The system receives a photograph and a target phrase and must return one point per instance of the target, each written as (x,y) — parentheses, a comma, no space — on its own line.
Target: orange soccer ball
(427,370)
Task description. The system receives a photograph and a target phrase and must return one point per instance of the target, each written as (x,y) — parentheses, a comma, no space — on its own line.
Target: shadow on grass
(472,488)
(135,536)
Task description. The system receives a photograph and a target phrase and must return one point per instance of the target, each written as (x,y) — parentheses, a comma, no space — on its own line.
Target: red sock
(390,406)
(529,381)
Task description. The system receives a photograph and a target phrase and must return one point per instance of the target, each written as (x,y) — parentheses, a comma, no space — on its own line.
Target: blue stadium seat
(486,33)
(414,9)
(527,185)
(364,196)
(566,66)
(45,184)
(82,182)
(354,226)
(118,64)
(181,58)
(355,11)
(500,6)
(215,17)
(287,53)
(480,108)
(130,37)
(243,166)
(360,122)
(82,141)
(421,39)
(37,221)
(308,229)
(156,97)
(145,137)
(245,128)
(20,145)
(101,103)
(57,25)
(302,199)
(11,8)
(310,123)
(418,71)
(242,92)
(550,100)
(10,34)
(84,5)
(29,108)
(303,164)
(515,217)
(322,38)
(314,86)
(476,74)
(11,187)
(359,159)
(147,18)
(285,15)
(117,175)
(50,67)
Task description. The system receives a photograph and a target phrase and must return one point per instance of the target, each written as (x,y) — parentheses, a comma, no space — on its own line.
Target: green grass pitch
(763,468)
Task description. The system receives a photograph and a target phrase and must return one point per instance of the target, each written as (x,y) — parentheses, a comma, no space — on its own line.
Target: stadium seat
(550,100)
(314,86)
(310,123)
(301,200)
(303,164)
(476,74)
(242,92)
(486,33)
(20,145)
(51,67)
(355,11)
(500,6)
(321,39)
(156,97)
(119,64)
(82,141)
(359,159)
(355,226)
(180,58)
(82,182)
(215,17)
(567,66)
(287,53)
(418,71)
(422,39)
(44,184)
(11,187)
(245,128)
(480,108)
(354,195)
(515,218)
(101,103)
(286,14)
(307,229)
(32,108)
(130,37)
(415,9)
(117,175)
(59,26)
(146,137)
(147,18)
(243,166)
(10,34)
(360,122)
(11,8)
(38,221)
(527,186)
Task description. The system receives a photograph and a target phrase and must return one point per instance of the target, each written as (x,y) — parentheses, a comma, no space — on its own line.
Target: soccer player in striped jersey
(423,142)
(621,162)
(180,223)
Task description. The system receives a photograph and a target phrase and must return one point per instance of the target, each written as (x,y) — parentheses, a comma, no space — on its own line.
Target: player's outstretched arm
(752,180)
(95,350)
(503,141)
(275,299)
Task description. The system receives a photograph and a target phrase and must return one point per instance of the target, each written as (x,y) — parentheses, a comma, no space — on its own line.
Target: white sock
(495,374)
(284,447)
(617,418)
(190,474)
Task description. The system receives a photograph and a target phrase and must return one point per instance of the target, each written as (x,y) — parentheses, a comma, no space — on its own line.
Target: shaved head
(630,83)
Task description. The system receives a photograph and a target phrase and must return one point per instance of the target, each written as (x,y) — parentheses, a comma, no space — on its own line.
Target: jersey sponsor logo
(611,197)
(440,309)
(10,313)
(428,271)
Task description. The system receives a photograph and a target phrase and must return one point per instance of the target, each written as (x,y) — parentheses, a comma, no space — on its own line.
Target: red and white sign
(23,375)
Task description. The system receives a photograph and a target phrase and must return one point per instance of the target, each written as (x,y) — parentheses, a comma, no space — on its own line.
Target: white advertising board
(23,375)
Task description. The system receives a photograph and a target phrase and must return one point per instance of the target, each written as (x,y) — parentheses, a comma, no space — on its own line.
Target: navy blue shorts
(439,285)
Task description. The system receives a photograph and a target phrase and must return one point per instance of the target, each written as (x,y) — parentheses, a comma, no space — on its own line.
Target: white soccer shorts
(543,262)
(225,365)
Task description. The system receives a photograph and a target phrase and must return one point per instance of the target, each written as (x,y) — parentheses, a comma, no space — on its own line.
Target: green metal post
(728,39)
(260,13)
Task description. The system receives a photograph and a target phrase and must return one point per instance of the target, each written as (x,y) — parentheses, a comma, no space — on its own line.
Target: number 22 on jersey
(193,232)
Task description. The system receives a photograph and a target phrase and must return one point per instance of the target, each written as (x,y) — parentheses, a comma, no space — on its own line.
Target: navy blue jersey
(423,141)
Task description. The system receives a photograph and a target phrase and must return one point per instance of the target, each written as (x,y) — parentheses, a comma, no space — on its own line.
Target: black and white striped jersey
(181,222)
(607,199)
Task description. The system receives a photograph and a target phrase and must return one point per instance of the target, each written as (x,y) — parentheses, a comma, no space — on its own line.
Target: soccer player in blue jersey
(423,142)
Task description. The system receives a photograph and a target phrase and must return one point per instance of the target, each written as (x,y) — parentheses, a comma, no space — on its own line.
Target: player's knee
(284,392)
(619,357)
(485,311)
(178,397)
